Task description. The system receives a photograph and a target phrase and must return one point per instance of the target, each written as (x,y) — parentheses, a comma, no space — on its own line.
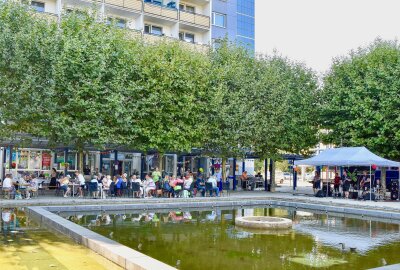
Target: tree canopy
(82,82)
(360,103)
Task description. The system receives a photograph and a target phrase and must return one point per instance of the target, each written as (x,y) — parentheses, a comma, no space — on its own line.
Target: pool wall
(132,259)
(115,252)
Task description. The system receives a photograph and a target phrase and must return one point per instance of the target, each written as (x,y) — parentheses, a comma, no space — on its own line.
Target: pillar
(2,155)
(175,164)
(266,174)
(294,178)
(243,165)
(116,165)
(234,174)
(212,166)
(65,161)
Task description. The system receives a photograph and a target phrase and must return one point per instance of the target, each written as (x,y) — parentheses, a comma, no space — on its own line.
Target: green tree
(285,107)
(359,102)
(28,49)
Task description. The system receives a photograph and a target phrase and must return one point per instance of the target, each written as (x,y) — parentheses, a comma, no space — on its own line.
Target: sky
(316,31)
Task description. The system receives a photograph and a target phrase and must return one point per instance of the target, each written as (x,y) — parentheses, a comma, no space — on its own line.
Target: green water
(209,239)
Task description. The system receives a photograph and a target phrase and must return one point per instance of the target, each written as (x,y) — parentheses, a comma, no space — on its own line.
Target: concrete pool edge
(131,259)
(121,255)
(210,205)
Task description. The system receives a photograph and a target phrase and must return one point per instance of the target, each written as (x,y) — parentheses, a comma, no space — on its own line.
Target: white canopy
(347,156)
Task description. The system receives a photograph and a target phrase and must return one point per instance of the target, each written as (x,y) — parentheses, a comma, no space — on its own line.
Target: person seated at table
(166,186)
(53,179)
(149,185)
(244,178)
(8,185)
(64,186)
(176,184)
(32,187)
(134,179)
(94,182)
(201,185)
(213,181)
(187,182)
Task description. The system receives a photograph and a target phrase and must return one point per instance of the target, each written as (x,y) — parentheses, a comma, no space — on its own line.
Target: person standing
(346,184)
(156,175)
(81,181)
(316,182)
(336,184)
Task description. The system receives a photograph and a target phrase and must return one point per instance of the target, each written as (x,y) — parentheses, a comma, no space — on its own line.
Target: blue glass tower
(234,19)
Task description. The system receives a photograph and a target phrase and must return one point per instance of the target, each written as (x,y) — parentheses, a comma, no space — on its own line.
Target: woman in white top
(150,186)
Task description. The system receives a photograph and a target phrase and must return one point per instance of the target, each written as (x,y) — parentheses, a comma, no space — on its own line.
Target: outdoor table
(73,188)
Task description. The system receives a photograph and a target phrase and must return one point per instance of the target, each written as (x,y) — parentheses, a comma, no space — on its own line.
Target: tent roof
(347,156)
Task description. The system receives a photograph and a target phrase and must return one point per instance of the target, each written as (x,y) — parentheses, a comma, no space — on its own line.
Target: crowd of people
(342,185)
(153,185)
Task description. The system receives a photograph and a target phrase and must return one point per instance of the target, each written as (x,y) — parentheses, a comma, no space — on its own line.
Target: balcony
(194,19)
(160,11)
(135,5)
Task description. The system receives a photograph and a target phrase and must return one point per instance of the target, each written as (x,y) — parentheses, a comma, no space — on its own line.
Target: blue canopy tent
(348,156)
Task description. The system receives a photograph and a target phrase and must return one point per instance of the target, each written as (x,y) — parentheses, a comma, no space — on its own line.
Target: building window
(187,8)
(38,6)
(152,29)
(246,7)
(121,23)
(219,19)
(188,37)
(156,2)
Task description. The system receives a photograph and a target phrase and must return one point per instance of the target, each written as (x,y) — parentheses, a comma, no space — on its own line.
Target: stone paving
(283,195)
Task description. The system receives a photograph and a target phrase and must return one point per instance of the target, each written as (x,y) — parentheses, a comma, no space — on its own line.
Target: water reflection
(210,240)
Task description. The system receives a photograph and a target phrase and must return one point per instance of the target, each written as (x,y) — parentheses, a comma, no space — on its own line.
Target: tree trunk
(272,176)
(383,178)
(223,169)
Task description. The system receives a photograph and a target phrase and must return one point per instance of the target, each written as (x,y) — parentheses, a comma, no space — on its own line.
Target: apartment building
(199,22)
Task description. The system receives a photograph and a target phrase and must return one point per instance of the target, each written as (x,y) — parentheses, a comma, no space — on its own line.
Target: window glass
(219,19)
(34,160)
(189,37)
(71,159)
(147,29)
(46,160)
(245,26)
(23,157)
(190,9)
(156,30)
(245,7)
(121,23)
(39,7)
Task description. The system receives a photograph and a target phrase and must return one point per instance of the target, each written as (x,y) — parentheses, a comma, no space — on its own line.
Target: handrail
(194,18)
(129,4)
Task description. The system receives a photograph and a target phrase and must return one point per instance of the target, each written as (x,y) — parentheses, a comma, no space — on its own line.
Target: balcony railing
(194,18)
(169,13)
(129,4)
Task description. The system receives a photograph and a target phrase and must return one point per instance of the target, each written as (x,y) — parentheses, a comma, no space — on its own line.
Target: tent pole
(370,183)
(327,181)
